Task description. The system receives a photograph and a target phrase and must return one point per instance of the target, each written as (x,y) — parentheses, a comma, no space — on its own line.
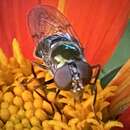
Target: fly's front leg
(54,106)
(95,74)
(94,92)
(50,115)
(40,80)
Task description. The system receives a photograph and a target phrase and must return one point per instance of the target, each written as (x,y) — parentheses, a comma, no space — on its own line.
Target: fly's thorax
(63,52)
(57,44)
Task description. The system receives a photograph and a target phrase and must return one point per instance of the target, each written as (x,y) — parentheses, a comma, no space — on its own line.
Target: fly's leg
(57,92)
(44,87)
(96,71)
(49,82)
(41,65)
(42,81)
(45,99)
(54,106)
(94,92)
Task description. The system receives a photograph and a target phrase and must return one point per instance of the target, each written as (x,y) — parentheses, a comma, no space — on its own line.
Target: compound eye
(63,77)
(85,71)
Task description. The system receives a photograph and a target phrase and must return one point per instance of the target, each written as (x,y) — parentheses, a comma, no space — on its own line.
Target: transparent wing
(44,20)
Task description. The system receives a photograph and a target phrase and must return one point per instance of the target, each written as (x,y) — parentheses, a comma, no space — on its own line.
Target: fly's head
(73,76)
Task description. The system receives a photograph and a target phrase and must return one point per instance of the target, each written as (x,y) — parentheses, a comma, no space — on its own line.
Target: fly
(58,46)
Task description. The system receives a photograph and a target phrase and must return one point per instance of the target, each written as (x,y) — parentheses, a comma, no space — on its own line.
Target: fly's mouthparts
(77,86)
(76,81)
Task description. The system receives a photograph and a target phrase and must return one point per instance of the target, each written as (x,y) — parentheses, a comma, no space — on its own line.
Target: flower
(26,104)
(99,27)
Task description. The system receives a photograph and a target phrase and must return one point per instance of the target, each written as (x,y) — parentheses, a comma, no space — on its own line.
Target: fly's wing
(44,21)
